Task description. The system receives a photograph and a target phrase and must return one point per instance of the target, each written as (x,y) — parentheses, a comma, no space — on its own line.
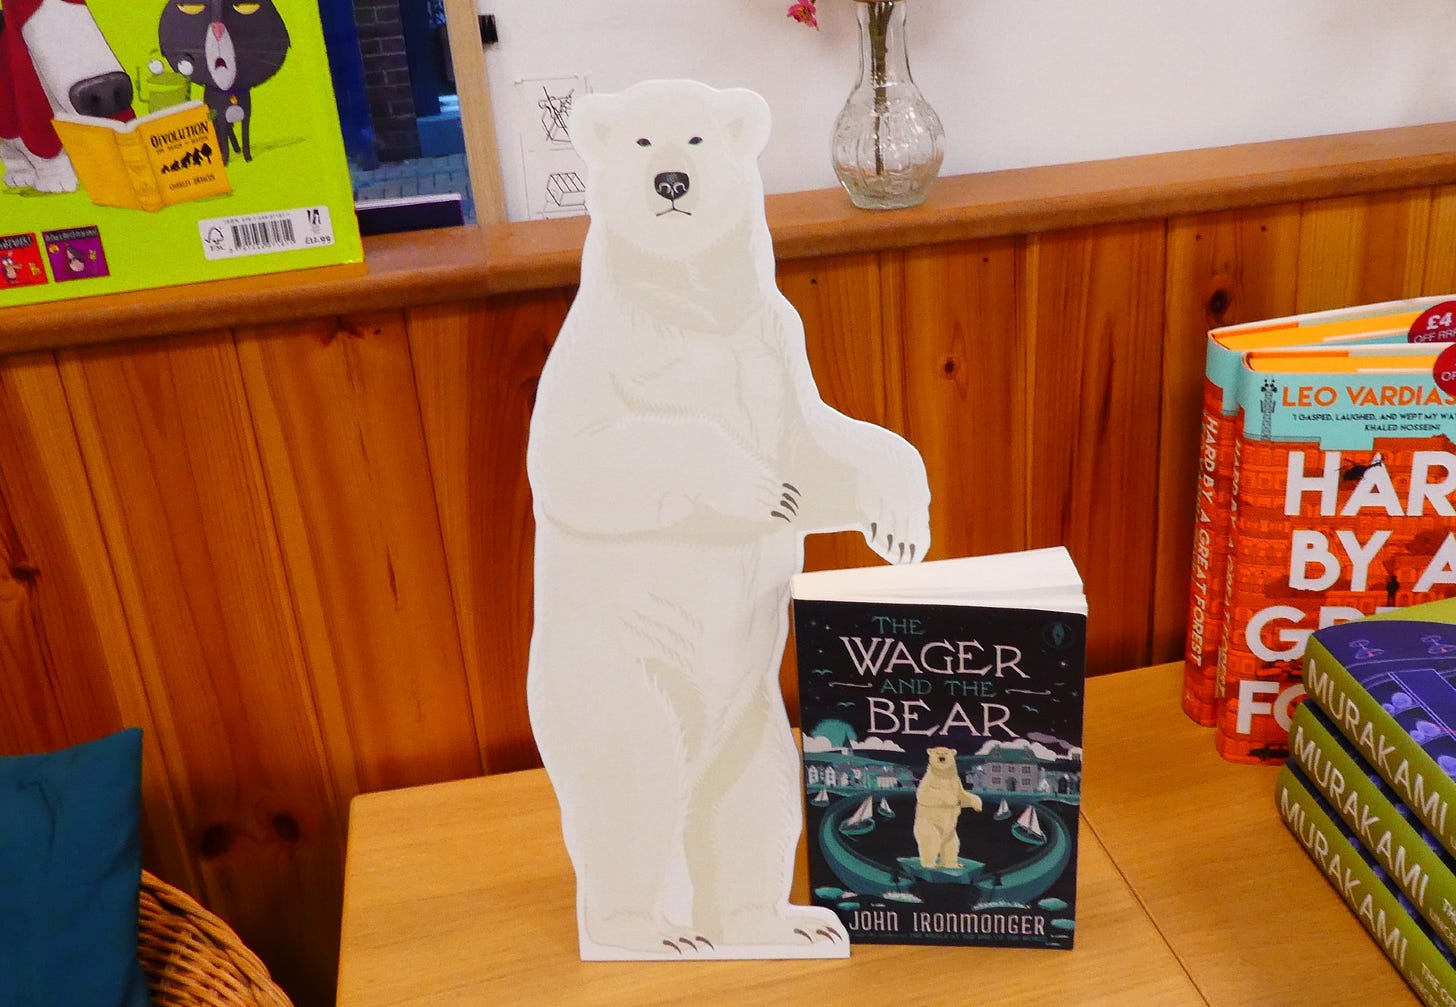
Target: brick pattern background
(387,79)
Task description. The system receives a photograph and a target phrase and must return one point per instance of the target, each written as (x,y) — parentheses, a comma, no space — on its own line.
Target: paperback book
(1384,825)
(146,145)
(941,712)
(1344,484)
(1417,320)
(1416,952)
(1388,683)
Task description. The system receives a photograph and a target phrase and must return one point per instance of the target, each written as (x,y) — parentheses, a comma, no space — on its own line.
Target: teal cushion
(70,868)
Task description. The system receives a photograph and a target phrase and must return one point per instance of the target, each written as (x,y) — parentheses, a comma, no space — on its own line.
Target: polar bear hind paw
(646,934)
(800,925)
(684,944)
(828,933)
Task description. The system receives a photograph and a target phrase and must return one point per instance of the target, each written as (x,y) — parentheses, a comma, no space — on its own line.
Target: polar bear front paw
(756,497)
(787,507)
(897,541)
(893,499)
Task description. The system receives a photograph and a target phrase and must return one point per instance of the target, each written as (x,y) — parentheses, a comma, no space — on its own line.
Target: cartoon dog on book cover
(53,59)
(679,453)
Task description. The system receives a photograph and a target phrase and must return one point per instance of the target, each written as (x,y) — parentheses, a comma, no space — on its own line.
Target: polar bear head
(941,760)
(672,164)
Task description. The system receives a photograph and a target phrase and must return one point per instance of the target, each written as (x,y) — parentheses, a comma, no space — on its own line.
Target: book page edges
(1044,579)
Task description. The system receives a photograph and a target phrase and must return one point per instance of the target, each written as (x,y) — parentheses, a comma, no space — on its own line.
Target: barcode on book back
(257,233)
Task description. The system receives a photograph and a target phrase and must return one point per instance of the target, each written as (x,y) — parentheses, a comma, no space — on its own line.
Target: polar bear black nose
(671,184)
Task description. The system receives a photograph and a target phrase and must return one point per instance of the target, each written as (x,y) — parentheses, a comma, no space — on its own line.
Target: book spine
(1379,822)
(1210,558)
(1412,772)
(1254,696)
(139,171)
(1416,955)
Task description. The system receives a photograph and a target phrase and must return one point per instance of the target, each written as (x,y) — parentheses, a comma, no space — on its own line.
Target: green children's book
(151,143)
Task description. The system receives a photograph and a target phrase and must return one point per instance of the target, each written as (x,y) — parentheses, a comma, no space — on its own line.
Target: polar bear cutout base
(679,453)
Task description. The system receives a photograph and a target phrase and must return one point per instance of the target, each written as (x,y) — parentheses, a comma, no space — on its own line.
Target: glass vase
(888,141)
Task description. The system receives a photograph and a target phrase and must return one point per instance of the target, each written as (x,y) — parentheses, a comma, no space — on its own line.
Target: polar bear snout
(671,185)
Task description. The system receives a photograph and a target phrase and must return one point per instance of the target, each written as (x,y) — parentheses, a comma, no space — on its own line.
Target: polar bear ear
(746,118)
(588,125)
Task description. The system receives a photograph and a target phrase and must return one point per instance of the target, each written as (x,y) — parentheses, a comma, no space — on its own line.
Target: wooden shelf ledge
(460,264)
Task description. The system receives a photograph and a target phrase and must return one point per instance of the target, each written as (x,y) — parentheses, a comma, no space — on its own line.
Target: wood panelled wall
(299,556)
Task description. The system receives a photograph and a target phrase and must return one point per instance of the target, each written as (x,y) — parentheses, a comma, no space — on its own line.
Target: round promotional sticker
(1445,372)
(1437,324)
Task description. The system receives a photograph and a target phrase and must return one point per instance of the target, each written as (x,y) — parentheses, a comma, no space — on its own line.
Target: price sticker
(1437,324)
(1445,372)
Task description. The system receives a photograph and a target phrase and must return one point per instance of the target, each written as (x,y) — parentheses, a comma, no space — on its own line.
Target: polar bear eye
(642,141)
(696,140)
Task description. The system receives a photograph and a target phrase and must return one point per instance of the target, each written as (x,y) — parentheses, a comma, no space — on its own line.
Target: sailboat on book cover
(862,821)
(1028,827)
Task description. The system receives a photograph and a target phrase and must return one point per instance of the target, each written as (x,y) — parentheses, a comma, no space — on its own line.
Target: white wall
(1016,82)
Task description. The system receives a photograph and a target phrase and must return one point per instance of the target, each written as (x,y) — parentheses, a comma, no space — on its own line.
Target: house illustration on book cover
(188,139)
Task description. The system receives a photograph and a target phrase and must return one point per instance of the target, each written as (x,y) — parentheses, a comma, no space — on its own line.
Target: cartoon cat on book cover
(679,453)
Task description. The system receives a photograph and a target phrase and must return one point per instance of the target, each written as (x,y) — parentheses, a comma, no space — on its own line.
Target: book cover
(1388,682)
(941,711)
(1342,507)
(151,145)
(1385,826)
(1415,951)
(1421,319)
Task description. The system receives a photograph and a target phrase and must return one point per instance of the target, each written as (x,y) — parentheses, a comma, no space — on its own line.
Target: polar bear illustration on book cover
(679,453)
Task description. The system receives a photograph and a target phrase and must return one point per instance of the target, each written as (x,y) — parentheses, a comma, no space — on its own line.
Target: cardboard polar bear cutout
(679,453)
(53,60)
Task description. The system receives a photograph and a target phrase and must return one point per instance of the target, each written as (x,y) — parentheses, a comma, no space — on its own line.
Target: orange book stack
(1414,320)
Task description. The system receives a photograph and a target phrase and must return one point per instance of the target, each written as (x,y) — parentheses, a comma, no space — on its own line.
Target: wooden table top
(1198,838)
(1190,891)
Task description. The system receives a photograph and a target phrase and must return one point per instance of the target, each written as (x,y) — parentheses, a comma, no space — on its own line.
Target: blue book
(1388,683)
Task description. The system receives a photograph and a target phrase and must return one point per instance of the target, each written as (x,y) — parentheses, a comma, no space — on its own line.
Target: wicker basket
(194,959)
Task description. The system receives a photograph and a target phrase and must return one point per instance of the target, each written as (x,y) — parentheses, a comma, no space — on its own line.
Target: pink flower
(803,12)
